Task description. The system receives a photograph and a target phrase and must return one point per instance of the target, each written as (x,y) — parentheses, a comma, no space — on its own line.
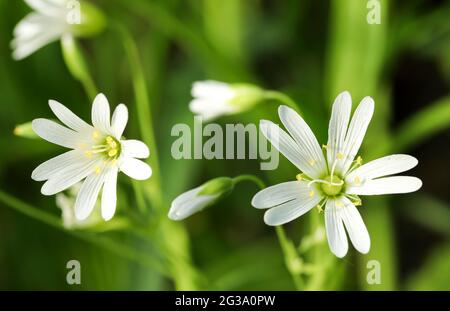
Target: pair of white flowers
(331,179)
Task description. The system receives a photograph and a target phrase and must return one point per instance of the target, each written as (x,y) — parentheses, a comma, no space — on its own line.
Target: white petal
(210,110)
(54,165)
(136,169)
(68,117)
(356,132)
(49,7)
(101,114)
(388,165)
(310,151)
(87,197)
(69,176)
(287,146)
(212,90)
(277,194)
(57,134)
(295,208)
(189,203)
(135,148)
(386,185)
(109,194)
(337,128)
(355,226)
(25,46)
(119,120)
(337,239)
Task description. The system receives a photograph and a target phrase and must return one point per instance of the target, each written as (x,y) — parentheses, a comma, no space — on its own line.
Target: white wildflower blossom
(98,153)
(332,177)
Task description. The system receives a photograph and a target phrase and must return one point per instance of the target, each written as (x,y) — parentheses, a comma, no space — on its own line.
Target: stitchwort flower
(52,20)
(98,153)
(213,99)
(332,177)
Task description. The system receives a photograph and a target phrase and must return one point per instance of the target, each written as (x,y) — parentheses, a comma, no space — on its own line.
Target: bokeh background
(311,50)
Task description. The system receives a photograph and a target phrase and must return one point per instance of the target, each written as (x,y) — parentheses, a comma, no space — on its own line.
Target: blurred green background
(311,50)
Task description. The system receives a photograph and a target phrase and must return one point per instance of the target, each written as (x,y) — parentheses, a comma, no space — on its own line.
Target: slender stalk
(283,98)
(291,258)
(293,262)
(105,243)
(76,63)
(143,110)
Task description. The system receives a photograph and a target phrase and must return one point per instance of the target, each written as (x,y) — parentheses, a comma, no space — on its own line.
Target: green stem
(188,39)
(143,110)
(283,98)
(248,177)
(76,64)
(105,243)
(432,119)
(292,259)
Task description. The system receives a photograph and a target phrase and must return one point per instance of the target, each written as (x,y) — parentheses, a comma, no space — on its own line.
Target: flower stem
(105,243)
(283,98)
(293,262)
(76,63)
(181,269)
(143,109)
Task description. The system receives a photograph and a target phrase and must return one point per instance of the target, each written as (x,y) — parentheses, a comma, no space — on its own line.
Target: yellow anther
(109,139)
(311,193)
(98,170)
(88,153)
(112,152)
(357,181)
(324,146)
(359,160)
(112,144)
(312,162)
(357,203)
(299,177)
(339,204)
(339,156)
(95,134)
(319,208)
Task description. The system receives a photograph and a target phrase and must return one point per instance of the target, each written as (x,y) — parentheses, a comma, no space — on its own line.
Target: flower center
(109,147)
(332,186)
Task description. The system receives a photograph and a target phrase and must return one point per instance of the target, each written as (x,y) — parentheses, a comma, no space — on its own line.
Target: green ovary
(333,186)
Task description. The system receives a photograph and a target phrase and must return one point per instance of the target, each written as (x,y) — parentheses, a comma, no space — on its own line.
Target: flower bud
(199,198)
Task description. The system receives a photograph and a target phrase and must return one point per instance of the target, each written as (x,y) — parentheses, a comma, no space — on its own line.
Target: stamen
(339,204)
(98,170)
(95,135)
(357,181)
(311,193)
(312,162)
(88,153)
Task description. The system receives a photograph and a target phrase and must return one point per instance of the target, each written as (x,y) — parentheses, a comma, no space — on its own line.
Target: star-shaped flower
(332,177)
(98,153)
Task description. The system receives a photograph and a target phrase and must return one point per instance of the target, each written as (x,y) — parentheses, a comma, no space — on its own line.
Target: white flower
(52,20)
(333,180)
(213,99)
(98,154)
(199,198)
